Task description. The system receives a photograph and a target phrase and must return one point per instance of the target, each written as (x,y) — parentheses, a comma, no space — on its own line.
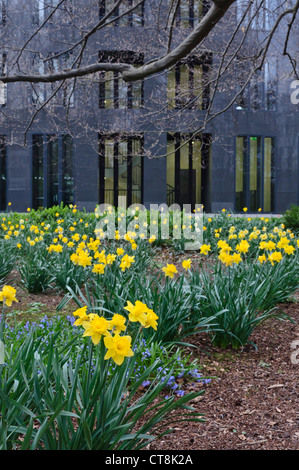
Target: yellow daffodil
(289,250)
(170,270)
(137,312)
(262,259)
(96,328)
(118,347)
(275,256)
(117,324)
(8,295)
(204,249)
(126,262)
(187,264)
(82,314)
(151,319)
(99,268)
(243,246)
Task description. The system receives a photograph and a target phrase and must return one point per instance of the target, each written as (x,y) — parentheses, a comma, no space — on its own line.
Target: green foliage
(291,218)
(64,273)
(34,271)
(241,298)
(7,259)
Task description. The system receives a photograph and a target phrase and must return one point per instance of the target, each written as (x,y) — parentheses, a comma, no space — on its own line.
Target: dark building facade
(105,138)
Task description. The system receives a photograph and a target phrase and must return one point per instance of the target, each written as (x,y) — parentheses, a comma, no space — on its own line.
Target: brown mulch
(253,404)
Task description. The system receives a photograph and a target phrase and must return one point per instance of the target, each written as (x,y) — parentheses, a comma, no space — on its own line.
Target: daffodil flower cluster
(118,346)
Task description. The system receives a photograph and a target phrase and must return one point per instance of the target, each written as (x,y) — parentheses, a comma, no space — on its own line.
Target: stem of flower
(2,322)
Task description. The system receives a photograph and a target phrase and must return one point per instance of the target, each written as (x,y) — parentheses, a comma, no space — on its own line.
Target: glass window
(67,170)
(241,145)
(38,89)
(190,12)
(259,16)
(188,83)
(37,172)
(65,94)
(188,169)
(120,169)
(255,169)
(254,174)
(3,179)
(130,19)
(38,14)
(3,86)
(3,13)
(136,165)
(114,92)
(52,170)
(261,92)
(268,170)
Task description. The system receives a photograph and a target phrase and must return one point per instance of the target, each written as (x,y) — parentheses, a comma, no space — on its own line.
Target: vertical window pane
(184,88)
(122,93)
(109,172)
(137,16)
(198,85)
(197,11)
(52,171)
(268,174)
(124,20)
(38,12)
(255,173)
(67,170)
(184,155)
(240,173)
(2,173)
(3,7)
(271,80)
(122,168)
(68,86)
(3,86)
(137,94)
(38,89)
(136,172)
(186,159)
(37,172)
(109,90)
(170,172)
(185,19)
(196,163)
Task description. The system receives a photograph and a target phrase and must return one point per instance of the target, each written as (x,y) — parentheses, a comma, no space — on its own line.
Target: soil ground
(253,404)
